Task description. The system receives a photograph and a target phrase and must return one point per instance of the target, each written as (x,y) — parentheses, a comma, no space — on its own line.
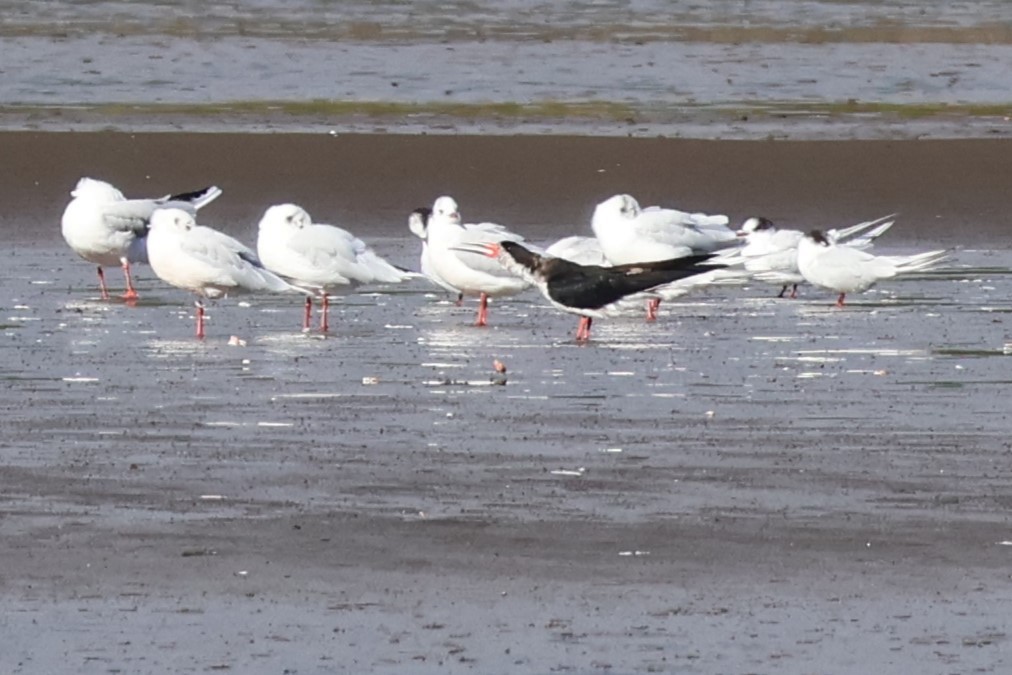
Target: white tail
(918,262)
(847,232)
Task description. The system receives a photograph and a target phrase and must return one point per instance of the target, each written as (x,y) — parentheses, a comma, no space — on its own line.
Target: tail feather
(381,271)
(847,232)
(198,198)
(708,221)
(918,262)
(716,277)
(869,237)
(275,284)
(726,256)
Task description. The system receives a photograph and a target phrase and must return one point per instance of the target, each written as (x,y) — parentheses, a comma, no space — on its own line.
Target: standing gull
(320,257)
(472,273)
(844,269)
(205,261)
(106,228)
(418,223)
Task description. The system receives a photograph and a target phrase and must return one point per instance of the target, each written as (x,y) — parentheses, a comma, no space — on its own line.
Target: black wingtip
(251,258)
(190,196)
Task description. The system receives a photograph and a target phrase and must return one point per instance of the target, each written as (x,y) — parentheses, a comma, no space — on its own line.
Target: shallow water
(731,368)
(670,68)
(161,486)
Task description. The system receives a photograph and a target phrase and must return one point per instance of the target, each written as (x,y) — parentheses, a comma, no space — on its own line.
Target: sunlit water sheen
(909,361)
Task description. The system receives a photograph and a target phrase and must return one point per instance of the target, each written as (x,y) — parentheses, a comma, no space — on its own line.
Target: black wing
(591,287)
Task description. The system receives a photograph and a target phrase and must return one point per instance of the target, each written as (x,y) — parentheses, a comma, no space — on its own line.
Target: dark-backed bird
(593,291)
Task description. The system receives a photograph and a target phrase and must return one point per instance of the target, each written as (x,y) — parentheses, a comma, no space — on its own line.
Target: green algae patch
(871,108)
(685,27)
(371,109)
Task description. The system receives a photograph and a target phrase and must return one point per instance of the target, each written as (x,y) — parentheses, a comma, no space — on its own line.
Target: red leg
(324,326)
(839,300)
(794,292)
(460,300)
(482,311)
(200,320)
(131,292)
(307,319)
(101,283)
(652,305)
(583,330)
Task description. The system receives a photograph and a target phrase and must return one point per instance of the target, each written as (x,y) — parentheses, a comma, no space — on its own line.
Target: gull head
(445,208)
(177,219)
(756,224)
(288,216)
(818,237)
(418,222)
(96,190)
(624,206)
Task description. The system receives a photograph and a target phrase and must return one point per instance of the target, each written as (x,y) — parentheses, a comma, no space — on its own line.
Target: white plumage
(771,254)
(418,223)
(845,269)
(580,250)
(105,228)
(320,257)
(470,273)
(205,261)
(629,234)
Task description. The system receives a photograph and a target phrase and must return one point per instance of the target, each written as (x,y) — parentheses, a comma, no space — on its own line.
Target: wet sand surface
(750,485)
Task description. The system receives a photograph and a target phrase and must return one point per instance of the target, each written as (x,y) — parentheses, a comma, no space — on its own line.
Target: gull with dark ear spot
(471,273)
(593,291)
(106,228)
(845,269)
(205,261)
(418,223)
(771,253)
(323,258)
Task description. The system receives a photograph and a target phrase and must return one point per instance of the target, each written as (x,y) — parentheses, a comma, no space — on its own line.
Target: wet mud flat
(747,485)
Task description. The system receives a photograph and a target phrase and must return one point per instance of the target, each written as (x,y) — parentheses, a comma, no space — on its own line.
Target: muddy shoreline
(747,486)
(947,191)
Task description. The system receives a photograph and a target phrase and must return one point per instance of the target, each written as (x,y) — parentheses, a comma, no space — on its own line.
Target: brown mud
(747,486)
